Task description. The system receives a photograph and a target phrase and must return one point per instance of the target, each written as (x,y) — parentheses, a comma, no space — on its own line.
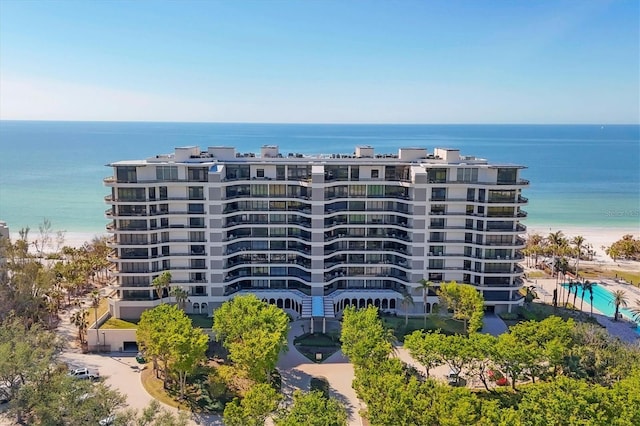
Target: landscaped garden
(317,346)
(434,322)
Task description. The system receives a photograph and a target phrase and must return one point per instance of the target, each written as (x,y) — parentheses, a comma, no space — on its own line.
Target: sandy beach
(597,237)
(71,239)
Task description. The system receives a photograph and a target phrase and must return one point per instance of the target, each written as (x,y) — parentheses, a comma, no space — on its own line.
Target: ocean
(581,175)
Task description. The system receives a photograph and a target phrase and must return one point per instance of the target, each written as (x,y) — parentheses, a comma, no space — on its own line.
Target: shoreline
(596,237)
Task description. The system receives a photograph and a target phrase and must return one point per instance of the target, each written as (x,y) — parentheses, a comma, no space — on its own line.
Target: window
(196,222)
(276,190)
(196,193)
(355,173)
(167,173)
(375,191)
(357,190)
(437,223)
(163,192)
(438,194)
(467,175)
(437,175)
(260,173)
(436,263)
(506,176)
(375,173)
(196,208)
(131,194)
(126,174)
(198,174)
(259,190)
(471,194)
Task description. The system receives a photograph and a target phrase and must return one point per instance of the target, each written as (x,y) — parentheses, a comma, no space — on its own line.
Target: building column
(324,325)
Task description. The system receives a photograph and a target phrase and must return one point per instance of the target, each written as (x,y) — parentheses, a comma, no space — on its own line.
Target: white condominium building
(314,233)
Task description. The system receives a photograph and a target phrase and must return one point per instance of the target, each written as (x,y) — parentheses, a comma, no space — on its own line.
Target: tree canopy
(258,403)
(466,303)
(165,334)
(254,333)
(312,409)
(365,341)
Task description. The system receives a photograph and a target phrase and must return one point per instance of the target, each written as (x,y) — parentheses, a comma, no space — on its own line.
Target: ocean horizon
(581,175)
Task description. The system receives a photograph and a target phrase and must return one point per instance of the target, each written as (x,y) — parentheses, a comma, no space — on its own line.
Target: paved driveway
(493,324)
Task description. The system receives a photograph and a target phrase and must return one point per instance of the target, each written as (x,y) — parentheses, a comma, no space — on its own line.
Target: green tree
(181,296)
(425,347)
(313,409)
(188,349)
(364,339)
(26,354)
(512,358)
(578,242)
(557,244)
(158,331)
(258,403)
(95,304)
(466,303)
(619,298)
(564,401)
(406,302)
(57,399)
(161,284)
(80,320)
(457,353)
(425,286)
(254,332)
(481,350)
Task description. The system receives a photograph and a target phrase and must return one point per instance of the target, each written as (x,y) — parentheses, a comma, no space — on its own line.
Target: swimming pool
(602,301)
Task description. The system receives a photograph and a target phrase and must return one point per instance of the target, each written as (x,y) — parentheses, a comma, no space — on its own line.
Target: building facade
(314,234)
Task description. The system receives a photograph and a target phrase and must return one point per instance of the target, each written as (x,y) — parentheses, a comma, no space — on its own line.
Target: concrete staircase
(306,307)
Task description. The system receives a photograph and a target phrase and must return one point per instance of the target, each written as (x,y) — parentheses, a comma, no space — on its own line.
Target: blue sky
(321,61)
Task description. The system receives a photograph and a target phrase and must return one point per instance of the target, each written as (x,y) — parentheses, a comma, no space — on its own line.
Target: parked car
(84,373)
(453,377)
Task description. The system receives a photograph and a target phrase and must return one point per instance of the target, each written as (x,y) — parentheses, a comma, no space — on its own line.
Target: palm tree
(181,296)
(95,304)
(407,300)
(578,241)
(590,288)
(575,295)
(619,298)
(570,285)
(425,286)
(161,283)
(79,319)
(556,241)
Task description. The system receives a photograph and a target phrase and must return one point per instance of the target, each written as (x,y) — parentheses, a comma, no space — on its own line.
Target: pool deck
(623,329)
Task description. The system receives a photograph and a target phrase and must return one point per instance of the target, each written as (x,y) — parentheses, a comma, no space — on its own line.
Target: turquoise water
(580,175)
(602,301)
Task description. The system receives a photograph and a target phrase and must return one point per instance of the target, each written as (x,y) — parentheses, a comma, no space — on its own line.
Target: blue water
(602,301)
(580,175)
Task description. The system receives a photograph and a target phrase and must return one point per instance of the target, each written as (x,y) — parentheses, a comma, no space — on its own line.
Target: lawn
(540,311)
(595,273)
(103,307)
(119,324)
(202,321)
(434,322)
